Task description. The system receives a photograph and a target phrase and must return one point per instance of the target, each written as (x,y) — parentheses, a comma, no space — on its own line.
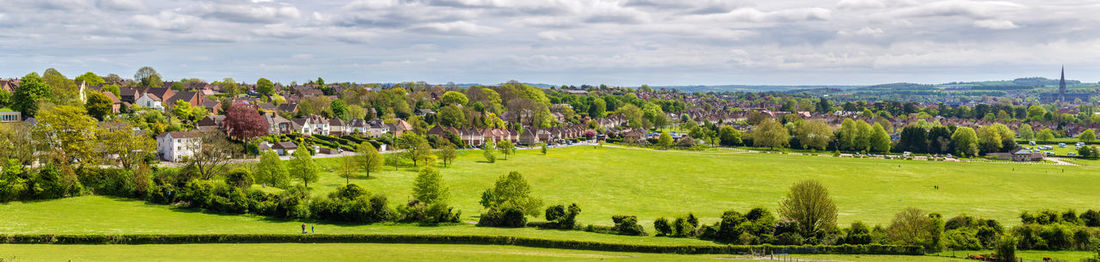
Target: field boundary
(136,239)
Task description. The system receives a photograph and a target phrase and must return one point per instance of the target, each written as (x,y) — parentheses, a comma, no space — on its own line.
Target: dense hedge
(439,239)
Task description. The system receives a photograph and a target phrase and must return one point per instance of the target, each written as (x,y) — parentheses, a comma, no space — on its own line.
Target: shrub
(1006,249)
(506,217)
(628,225)
(239,178)
(858,234)
(662,227)
(428,214)
(561,217)
(682,228)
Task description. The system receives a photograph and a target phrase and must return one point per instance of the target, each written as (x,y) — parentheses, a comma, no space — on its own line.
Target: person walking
(311,229)
(303,228)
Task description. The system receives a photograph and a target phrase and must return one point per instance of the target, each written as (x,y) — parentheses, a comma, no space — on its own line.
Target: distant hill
(751,88)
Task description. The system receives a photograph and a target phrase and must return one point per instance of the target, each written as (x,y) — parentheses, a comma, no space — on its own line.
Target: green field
(366,252)
(611,181)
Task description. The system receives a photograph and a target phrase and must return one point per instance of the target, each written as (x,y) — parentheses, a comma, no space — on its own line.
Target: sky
(624,42)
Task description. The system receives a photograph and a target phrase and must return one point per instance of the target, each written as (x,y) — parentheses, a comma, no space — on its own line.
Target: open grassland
(609,181)
(367,252)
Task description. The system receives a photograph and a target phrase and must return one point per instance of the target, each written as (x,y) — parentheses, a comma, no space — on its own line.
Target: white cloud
(121,5)
(996,24)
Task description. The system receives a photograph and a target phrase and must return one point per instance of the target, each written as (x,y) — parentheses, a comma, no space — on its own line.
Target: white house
(150,100)
(176,146)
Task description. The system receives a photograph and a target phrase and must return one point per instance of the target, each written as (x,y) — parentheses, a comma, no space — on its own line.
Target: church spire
(1062,85)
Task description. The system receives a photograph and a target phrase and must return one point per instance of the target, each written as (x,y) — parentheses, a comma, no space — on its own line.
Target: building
(149,100)
(178,146)
(285,148)
(10,117)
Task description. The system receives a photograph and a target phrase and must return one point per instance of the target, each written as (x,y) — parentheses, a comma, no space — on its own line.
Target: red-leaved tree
(242,121)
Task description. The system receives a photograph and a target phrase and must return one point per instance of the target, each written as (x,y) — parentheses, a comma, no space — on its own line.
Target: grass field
(367,252)
(610,181)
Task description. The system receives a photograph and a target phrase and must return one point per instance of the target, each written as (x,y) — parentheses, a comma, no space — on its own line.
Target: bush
(662,227)
(506,217)
(562,218)
(239,178)
(428,214)
(110,182)
(628,225)
(1006,249)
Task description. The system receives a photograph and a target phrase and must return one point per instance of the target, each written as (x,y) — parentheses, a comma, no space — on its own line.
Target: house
(336,126)
(193,98)
(285,148)
(116,104)
(10,117)
(211,122)
(277,124)
(9,84)
(311,125)
(377,128)
(291,108)
(149,100)
(178,146)
(424,112)
(399,127)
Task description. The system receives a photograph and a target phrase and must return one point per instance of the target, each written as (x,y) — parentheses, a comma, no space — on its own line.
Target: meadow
(608,181)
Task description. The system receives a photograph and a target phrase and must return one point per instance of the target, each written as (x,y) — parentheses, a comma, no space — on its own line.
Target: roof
(179,134)
(285,145)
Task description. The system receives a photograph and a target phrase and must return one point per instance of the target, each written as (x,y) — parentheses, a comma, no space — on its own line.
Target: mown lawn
(611,181)
(367,252)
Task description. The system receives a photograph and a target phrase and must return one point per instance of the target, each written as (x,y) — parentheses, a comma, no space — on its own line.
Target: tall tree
(1026,132)
(447,154)
(213,153)
(454,98)
(814,134)
(506,148)
(130,148)
(913,139)
(271,170)
(265,87)
(67,134)
(1087,136)
(348,166)
(965,141)
(808,204)
(880,141)
(98,105)
(303,167)
(770,133)
(30,92)
(428,186)
(369,158)
(147,76)
(89,79)
(487,151)
(244,122)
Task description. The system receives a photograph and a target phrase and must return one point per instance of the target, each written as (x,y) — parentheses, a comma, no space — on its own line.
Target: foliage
(31,90)
(67,134)
(770,133)
(447,154)
(265,87)
(627,225)
(664,141)
(506,148)
(814,134)
(271,171)
(428,186)
(561,217)
(302,167)
(487,151)
(369,158)
(809,205)
(239,178)
(98,105)
(244,122)
(511,191)
(965,141)
(147,76)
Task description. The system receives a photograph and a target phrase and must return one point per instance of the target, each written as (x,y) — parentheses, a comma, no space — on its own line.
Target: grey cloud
(121,5)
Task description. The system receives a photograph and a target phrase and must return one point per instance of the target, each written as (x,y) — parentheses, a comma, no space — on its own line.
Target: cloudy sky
(624,42)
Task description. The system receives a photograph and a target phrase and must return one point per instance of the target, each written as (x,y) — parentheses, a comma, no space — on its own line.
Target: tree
(98,105)
(880,141)
(511,191)
(814,134)
(130,148)
(89,79)
(451,115)
(544,148)
(728,136)
(808,204)
(410,141)
(597,108)
(239,178)
(913,139)
(265,87)
(506,148)
(664,141)
(1046,135)
(369,158)
(148,77)
(847,134)
(29,93)
(1026,132)
(66,134)
(1087,136)
(863,137)
(244,122)
(823,106)
(633,116)
(302,166)
(770,133)
(447,154)
(419,152)
(339,109)
(113,89)
(1035,113)
(991,138)
(912,227)
(487,151)
(271,170)
(428,187)
(213,153)
(348,166)
(454,98)
(966,141)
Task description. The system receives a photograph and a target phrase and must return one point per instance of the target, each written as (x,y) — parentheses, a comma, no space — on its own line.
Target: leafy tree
(67,133)
(265,87)
(1046,135)
(1087,136)
(814,134)
(213,153)
(544,148)
(5,97)
(424,154)
(823,106)
(239,178)
(863,139)
(965,141)
(939,140)
(913,227)
(914,138)
(148,77)
(454,98)
(664,141)
(131,149)
(880,141)
(369,158)
(1036,113)
(339,109)
(302,166)
(98,105)
(770,133)
(597,108)
(409,141)
(89,79)
(487,151)
(990,137)
(447,154)
(428,186)
(178,86)
(847,134)
(271,170)
(728,136)
(244,122)
(809,205)
(1026,132)
(64,89)
(633,115)
(451,115)
(506,148)
(29,93)
(511,191)
(348,166)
